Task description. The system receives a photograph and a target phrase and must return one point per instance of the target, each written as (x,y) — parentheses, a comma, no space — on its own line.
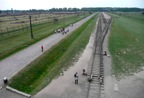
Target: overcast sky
(47,4)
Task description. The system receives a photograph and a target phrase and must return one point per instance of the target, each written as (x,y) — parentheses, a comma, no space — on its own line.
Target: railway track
(95,84)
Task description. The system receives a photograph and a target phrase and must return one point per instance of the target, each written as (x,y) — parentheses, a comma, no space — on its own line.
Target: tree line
(90,9)
(110,9)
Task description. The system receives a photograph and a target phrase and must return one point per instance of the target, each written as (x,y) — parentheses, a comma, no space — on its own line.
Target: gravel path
(13,64)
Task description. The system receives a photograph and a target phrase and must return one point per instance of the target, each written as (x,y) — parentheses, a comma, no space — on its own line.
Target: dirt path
(13,64)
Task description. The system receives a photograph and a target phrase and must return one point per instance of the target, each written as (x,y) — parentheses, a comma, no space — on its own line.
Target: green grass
(10,44)
(126,44)
(41,71)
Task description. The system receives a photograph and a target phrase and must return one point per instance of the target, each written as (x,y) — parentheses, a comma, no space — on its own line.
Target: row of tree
(110,9)
(90,9)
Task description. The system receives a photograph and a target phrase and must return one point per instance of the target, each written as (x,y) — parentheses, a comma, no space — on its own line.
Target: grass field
(126,43)
(41,71)
(12,43)
(23,20)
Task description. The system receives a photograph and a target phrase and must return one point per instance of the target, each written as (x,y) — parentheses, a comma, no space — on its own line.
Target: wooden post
(7,30)
(23,27)
(64,19)
(31,28)
(27,26)
(19,27)
(13,29)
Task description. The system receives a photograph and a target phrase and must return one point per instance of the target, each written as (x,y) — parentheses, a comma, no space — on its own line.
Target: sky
(47,4)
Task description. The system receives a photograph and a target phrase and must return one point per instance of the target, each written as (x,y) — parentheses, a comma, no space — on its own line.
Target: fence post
(1,32)
(7,30)
(27,26)
(13,29)
(31,28)
(22,27)
(19,27)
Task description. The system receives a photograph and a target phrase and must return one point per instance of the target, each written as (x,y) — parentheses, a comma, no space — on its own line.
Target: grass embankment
(12,43)
(41,71)
(126,44)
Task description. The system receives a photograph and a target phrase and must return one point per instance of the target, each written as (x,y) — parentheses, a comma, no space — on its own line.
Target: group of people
(62,30)
(76,76)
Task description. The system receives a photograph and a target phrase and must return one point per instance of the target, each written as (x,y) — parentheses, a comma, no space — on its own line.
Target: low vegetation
(126,43)
(45,68)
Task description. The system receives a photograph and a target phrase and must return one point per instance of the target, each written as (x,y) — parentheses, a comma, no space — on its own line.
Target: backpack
(75,75)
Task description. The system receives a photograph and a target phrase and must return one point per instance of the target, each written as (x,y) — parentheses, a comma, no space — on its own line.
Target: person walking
(42,48)
(76,78)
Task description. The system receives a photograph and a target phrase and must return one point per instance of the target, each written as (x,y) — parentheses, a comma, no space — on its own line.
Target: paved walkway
(13,64)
